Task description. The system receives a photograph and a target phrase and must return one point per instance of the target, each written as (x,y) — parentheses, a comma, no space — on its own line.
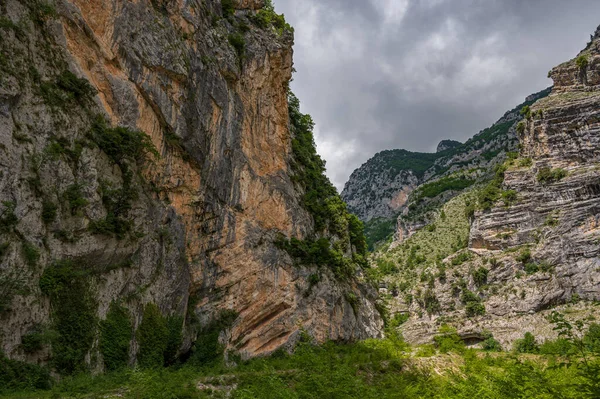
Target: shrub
(472,302)
(8,219)
(33,340)
(431,303)
(267,18)
(531,268)
(31,254)
(49,211)
(527,344)
(152,337)
(591,338)
(480,276)
(490,344)
(526,112)
(548,175)
(448,340)
(121,144)
(582,62)
(67,89)
(521,127)
(227,8)
(206,350)
(525,162)
(461,258)
(238,42)
(74,197)
(73,314)
(16,375)
(525,256)
(509,197)
(116,332)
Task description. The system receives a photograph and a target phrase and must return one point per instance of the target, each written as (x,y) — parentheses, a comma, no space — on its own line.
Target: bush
(73,315)
(31,254)
(206,350)
(67,89)
(116,332)
(490,344)
(448,340)
(521,127)
(525,162)
(227,8)
(238,42)
(531,268)
(121,144)
(526,112)
(527,344)
(525,256)
(582,62)
(461,258)
(472,302)
(8,219)
(152,335)
(547,175)
(431,303)
(16,375)
(509,197)
(480,276)
(174,339)
(49,211)
(74,197)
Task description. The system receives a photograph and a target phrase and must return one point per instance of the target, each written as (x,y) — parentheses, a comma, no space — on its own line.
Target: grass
(370,369)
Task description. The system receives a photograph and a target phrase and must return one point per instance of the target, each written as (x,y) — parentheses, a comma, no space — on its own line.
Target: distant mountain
(384,187)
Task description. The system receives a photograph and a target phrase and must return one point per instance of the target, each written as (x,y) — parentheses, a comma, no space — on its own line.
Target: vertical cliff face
(192,228)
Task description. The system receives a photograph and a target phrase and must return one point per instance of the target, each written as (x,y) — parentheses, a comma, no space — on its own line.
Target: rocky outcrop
(199,220)
(447,145)
(535,250)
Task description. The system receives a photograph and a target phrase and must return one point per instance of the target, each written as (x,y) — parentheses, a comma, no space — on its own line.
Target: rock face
(558,196)
(447,145)
(387,185)
(534,248)
(196,234)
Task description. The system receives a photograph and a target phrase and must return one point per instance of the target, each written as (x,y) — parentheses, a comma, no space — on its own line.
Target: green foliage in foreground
(370,369)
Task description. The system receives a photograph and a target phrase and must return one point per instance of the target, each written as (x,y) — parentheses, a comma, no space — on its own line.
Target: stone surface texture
(208,209)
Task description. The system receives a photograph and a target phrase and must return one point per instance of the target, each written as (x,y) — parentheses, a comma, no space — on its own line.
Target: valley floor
(372,369)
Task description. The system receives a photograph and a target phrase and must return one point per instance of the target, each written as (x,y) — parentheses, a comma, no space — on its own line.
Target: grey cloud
(383,74)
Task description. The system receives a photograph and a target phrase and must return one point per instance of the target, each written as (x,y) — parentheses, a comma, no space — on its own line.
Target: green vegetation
(238,42)
(492,192)
(526,344)
(159,338)
(152,337)
(333,223)
(480,276)
(473,303)
(582,62)
(49,211)
(18,376)
(548,175)
(31,254)
(526,112)
(115,334)
(448,340)
(75,199)
(67,89)
(124,147)
(366,370)
(227,8)
(206,349)
(450,183)
(267,18)
(73,314)
(8,219)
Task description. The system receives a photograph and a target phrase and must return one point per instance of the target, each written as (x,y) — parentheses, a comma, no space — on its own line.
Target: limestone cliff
(399,190)
(192,227)
(533,241)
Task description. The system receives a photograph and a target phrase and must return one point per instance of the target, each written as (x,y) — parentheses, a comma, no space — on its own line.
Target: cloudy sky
(384,74)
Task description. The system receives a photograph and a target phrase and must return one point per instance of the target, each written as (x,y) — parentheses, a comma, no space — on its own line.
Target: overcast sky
(385,74)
